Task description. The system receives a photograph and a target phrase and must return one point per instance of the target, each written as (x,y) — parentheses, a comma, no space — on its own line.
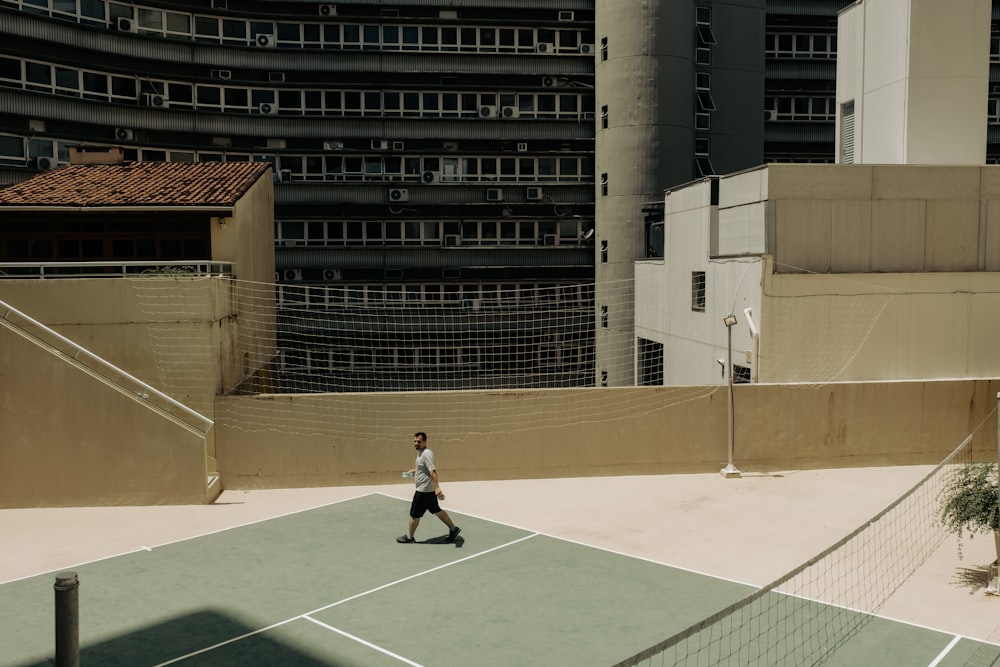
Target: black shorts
(424,501)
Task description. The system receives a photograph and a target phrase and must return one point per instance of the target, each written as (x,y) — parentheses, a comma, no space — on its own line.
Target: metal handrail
(103,269)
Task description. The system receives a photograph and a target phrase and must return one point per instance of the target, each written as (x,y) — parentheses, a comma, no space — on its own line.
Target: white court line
(192,537)
(593,546)
(363,642)
(945,652)
(716,576)
(340,602)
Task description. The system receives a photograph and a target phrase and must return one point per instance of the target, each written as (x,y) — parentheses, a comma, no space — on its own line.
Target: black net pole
(67,620)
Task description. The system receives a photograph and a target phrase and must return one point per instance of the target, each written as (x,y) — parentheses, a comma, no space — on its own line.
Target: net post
(67,620)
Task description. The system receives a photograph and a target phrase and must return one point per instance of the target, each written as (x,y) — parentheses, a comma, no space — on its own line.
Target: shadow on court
(187,634)
(443,540)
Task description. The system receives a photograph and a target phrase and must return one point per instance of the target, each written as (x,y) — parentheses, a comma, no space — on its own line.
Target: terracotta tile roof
(137,184)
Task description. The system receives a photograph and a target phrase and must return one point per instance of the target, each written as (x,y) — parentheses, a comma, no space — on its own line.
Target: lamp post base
(730,471)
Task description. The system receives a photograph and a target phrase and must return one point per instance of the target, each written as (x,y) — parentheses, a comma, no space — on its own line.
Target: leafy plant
(171,269)
(969,501)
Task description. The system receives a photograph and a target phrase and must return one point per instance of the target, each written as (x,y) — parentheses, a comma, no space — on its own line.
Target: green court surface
(330,587)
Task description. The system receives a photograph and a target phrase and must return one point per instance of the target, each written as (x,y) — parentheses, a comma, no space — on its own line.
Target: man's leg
(445,518)
(413,526)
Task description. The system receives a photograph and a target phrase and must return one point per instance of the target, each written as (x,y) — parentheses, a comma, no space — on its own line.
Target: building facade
(475,166)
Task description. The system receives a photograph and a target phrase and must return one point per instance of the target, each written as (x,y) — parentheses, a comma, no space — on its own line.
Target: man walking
(428,492)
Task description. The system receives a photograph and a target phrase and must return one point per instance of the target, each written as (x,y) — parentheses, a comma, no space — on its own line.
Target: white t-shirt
(422,471)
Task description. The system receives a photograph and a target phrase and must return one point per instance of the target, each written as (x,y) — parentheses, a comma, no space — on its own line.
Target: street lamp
(730,470)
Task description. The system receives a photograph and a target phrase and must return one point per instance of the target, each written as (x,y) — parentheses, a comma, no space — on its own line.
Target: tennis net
(806,615)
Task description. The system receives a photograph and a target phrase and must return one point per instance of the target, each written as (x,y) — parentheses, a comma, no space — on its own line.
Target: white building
(882,267)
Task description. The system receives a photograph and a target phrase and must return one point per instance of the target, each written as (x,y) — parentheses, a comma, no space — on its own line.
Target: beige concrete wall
(341,439)
(69,439)
(879,326)
(165,330)
(881,218)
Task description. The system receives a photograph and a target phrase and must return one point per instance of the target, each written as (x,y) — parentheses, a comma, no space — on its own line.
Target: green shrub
(969,501)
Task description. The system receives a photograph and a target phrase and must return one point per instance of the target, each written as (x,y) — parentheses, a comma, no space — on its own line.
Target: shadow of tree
(973,578)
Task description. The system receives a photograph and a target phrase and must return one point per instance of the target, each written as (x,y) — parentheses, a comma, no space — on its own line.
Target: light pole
(730,321)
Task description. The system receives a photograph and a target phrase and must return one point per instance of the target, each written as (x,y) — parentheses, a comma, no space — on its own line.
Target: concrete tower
(679,96)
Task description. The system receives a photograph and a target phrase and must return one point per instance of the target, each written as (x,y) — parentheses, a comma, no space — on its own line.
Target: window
(698,291)
(704,165)
(604,48)
(705,36)
(604,116)
(604,185)
(650,363)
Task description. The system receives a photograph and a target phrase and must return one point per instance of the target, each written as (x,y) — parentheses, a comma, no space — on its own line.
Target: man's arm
(437,485)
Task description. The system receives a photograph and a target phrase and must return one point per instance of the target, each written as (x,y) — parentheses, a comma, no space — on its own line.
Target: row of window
(472,169)
(800,45)
(329,34)
(565,357)
(568,231)
(18,150)
(800,108)
(45,77)
(471,296)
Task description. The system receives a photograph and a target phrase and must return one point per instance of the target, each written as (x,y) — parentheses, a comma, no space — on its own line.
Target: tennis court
(329,586)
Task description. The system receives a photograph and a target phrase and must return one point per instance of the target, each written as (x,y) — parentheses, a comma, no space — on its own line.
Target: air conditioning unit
(550,82)
(522,147)
(154,100)
(267,108)
(264,39)
(452,240)
(292,275)
(224,74)
(398,146)
(124,134)
(494,194)
(333,145)
(770,115)
(430,177)
(509,112)
(587,115)
(276,77)
(332,274)
(545,47)
(487,111)
(450,146)
(125,24)
(566,16)
(380,145)
(549,239)
(533,194)
(328,10)
(587,49)
(399,194)
(285,175)
(44,163)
